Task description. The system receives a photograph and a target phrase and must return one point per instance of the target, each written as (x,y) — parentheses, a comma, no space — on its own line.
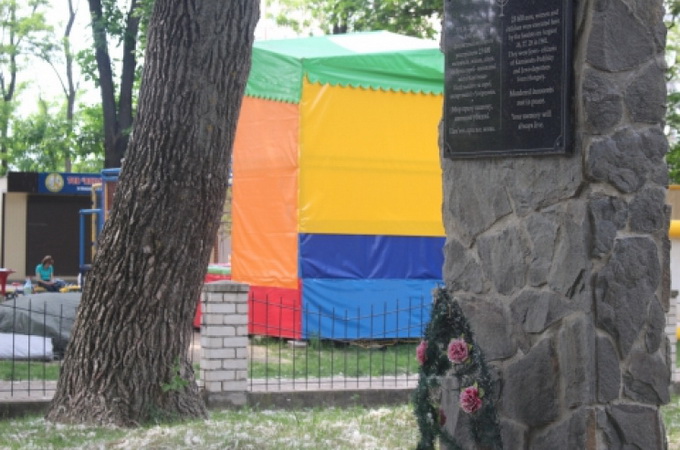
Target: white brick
(242,308)
(234,386)
(203,364)
(212,319)
(215,297)
(235,342)
(224,330)
(241,297)
(208,342)
(211,364)
(219,375)
(242,330)
(223,353)
(235,320)
(241,374)
(223,308)
(235,364)
(213,386)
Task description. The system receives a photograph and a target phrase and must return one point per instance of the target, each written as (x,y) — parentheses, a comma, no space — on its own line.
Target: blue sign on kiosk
(67,183)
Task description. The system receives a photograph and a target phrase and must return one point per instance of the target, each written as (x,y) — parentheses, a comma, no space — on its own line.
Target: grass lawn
(330,428)
(671,418)
(319,429)
(23,370)
(272,358)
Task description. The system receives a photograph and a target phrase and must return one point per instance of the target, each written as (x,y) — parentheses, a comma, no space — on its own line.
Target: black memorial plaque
(508,77)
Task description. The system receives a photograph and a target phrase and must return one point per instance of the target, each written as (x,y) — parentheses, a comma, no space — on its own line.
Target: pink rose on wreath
(458,351)
(420,352)
(470,399)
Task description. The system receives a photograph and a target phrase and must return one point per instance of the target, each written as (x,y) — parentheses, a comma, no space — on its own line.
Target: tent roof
(376,60)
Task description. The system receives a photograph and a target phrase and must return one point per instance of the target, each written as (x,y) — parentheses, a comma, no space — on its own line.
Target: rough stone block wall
(561,263)
(224,343)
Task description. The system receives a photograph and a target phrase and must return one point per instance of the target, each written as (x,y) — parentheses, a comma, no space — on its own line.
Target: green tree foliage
(62,64)
(673,111)
(23,32)
(45,140)
(411,17)
(58,137)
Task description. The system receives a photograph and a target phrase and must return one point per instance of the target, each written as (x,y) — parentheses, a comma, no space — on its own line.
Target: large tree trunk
(127,359)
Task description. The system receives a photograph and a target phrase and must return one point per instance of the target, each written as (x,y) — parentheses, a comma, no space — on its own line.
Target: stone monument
(557,248)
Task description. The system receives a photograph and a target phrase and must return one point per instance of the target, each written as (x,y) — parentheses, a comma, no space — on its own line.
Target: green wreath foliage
(447,323)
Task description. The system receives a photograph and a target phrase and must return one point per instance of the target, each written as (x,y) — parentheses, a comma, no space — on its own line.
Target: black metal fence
(33,337)
(316,348)
(312,349)
(34,333)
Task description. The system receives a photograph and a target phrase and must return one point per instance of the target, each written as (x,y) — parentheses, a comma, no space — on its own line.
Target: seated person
(44,274)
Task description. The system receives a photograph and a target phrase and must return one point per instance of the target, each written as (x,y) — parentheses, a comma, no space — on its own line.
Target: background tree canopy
(673,112)
(76,137)
(60,134)
(418,18)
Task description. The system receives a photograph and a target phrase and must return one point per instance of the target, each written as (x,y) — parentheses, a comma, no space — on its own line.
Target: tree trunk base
(97,411)
(177,403)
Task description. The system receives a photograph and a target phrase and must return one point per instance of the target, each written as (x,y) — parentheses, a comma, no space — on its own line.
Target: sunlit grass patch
(272,358)
(25,370)
(671,419)
(328,428)
(332,428)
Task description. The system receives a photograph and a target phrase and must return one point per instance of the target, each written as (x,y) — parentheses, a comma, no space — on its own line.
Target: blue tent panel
(366,309)
(370,256)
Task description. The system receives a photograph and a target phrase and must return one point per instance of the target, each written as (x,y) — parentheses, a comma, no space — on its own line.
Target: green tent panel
(375,60)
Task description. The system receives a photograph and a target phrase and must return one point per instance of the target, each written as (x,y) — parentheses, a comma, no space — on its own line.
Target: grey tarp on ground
(47,314)
(24,346)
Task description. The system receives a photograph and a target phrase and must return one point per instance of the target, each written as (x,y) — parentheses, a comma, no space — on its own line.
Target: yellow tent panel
(369,162)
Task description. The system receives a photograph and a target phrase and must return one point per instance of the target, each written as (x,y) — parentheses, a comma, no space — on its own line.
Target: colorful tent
(337,184)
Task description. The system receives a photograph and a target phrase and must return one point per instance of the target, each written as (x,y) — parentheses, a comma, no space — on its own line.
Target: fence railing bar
(266,347)
(14,346)
(357,337)
(370,352)
(345,371)
(251,361)
(382,354)
(295,311)
(43,338)
(307,327)
(280,340)
(332,348)
(318,353)
(396,350)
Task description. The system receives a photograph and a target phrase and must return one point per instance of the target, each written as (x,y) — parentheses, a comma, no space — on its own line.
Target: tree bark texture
(127,361)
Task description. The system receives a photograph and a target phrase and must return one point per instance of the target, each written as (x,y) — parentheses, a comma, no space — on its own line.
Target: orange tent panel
(264,205)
